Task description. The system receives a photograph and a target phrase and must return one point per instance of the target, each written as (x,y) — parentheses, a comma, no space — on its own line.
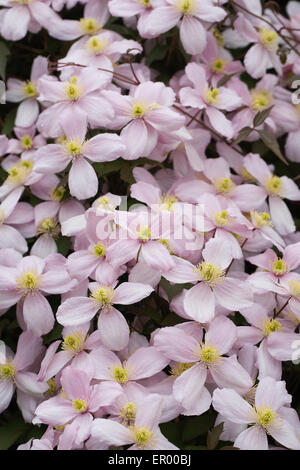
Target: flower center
(96,45)
(269,39)
(74,342)
(210,273)
(261,219)
(73,90)
(58,193)
(270,326)
(26,142)
(7,371)
(19,173)
(73,147)
(120,374)
(138,110)
(49,226)
(218,35)
(30,89)
(144,234)
(187,7)
(279,267)
(29,281)
(209,354)
(167,201)
(261,99)
(181,367)
(146,3)
(274,185)
(142,435)
(79,405)
(222,218)
(265,416)
(224,185)
(295,287)
(128,413)
(218,65)
(104,295)
(99,250)
(212,96)
(90,25)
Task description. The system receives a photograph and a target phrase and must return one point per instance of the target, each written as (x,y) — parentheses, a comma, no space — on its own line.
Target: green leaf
(197,426)
(243,134)
(172,289)
(260,117)
(172,431)
(157,53)
(270,141)
(213,436)
(229,448)
(9,121)
(4,53)
(12,431)
(63,245)
(103,169)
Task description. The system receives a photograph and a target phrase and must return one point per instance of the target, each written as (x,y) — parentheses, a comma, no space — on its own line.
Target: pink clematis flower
(78,93)
(145,435)
(25,285)
(190,14)
(212,100)
(15,371)
(145,114)
(265,416)
(53,158)
(213,285)
(10,237)
(276,188)
(114,330)
(196,357)
(78,403)
(27,92)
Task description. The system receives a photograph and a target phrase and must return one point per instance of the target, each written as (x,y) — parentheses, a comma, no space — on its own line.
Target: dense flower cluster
(179,291)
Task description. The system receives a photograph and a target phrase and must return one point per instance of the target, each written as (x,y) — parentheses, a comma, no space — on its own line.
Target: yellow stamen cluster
(73,147)
(58,193)
(274,185)
(90,25)
(52,390)
(279,267)
(219,65)
(128,413)
(138,110)
(74,342)
(269,39)
(103,296)
(79,405)
(29,281)
(26,142)
(224,185)
(144,234)
(209,354)
(247,176)
(96,45)
(146,3)
(181,367)
(7,371)
(99,250)
(120,374)
(19,173)
(222,218)
(49,226)
(30,89)
(270,326)
(266,417)
(261,219)
(210,273)
(212,96)
(187,7)
(73,89)
(261,99)
(167,201)
(142,435)
(218,35)
(295,287)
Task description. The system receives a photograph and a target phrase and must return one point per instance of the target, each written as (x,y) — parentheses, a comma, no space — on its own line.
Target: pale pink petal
(131,292)
(83,180)
(114,330)
(199,303)
(38,314)
(76,311)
